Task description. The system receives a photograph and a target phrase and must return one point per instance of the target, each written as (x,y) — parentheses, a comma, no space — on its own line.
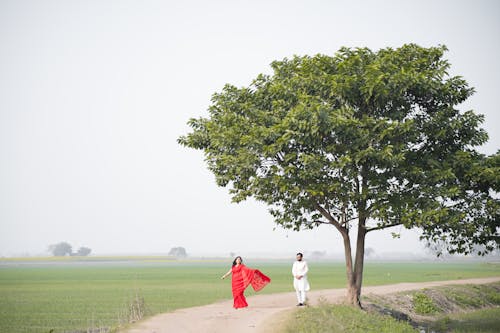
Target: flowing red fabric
(242,277)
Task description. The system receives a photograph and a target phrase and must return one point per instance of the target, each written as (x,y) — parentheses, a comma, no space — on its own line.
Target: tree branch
(330,218)
(317,222)
(351,219)
(380,227)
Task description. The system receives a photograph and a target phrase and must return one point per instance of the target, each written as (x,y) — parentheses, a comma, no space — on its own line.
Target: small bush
(423,304)
(136,308)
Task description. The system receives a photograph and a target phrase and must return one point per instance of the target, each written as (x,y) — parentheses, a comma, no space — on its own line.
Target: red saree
(242,277)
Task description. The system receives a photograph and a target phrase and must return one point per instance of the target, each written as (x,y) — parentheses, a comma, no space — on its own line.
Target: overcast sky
(94,94)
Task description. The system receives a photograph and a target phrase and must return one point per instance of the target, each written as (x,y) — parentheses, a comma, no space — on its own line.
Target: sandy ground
(265,314)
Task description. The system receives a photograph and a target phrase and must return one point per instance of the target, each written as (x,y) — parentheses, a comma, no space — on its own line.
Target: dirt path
(265,311)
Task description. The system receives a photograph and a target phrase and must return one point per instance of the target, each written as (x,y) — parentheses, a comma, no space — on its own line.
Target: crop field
(76,296)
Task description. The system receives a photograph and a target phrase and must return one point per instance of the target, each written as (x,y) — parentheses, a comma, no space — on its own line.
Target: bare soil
(266,313)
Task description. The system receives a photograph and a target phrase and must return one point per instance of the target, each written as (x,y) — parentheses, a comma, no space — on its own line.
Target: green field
(37,297)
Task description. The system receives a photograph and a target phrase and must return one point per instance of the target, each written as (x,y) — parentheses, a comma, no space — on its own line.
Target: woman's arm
(225,275)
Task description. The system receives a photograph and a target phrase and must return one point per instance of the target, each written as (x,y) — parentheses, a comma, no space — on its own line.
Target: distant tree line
(65,249)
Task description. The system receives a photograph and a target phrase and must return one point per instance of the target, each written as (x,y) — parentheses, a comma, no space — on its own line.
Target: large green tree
(361,141)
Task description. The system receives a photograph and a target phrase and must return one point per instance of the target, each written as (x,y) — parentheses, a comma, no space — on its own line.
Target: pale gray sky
(93,95)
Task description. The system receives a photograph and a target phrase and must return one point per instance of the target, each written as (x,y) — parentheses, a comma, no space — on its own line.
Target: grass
(473,297)
(344,319)
(418,315)
(37,297)
(480,321)
(479,307)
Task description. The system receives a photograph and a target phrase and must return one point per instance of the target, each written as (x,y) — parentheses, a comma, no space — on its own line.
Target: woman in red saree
(242,277)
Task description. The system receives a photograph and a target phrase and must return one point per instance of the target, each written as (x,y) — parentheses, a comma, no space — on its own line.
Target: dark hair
(300,254)
(234,261)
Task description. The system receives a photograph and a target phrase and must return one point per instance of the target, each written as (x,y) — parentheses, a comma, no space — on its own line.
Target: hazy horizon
(94,94)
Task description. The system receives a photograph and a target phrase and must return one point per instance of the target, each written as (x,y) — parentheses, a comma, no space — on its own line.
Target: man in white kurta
(300,283)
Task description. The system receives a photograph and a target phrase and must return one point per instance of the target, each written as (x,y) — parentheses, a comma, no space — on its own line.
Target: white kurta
(300,268)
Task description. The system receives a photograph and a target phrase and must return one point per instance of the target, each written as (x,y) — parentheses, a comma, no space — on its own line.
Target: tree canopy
(83,251)
(178,251)
(363,138)
(60,249)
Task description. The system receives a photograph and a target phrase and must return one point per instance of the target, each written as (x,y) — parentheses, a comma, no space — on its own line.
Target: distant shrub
(179,252)
(60,249)
(83,251)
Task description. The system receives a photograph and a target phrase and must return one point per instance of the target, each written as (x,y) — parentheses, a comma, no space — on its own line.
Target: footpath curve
(265,312)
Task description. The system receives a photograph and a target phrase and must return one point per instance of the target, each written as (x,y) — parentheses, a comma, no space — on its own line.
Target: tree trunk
(355,274)
(351,277)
